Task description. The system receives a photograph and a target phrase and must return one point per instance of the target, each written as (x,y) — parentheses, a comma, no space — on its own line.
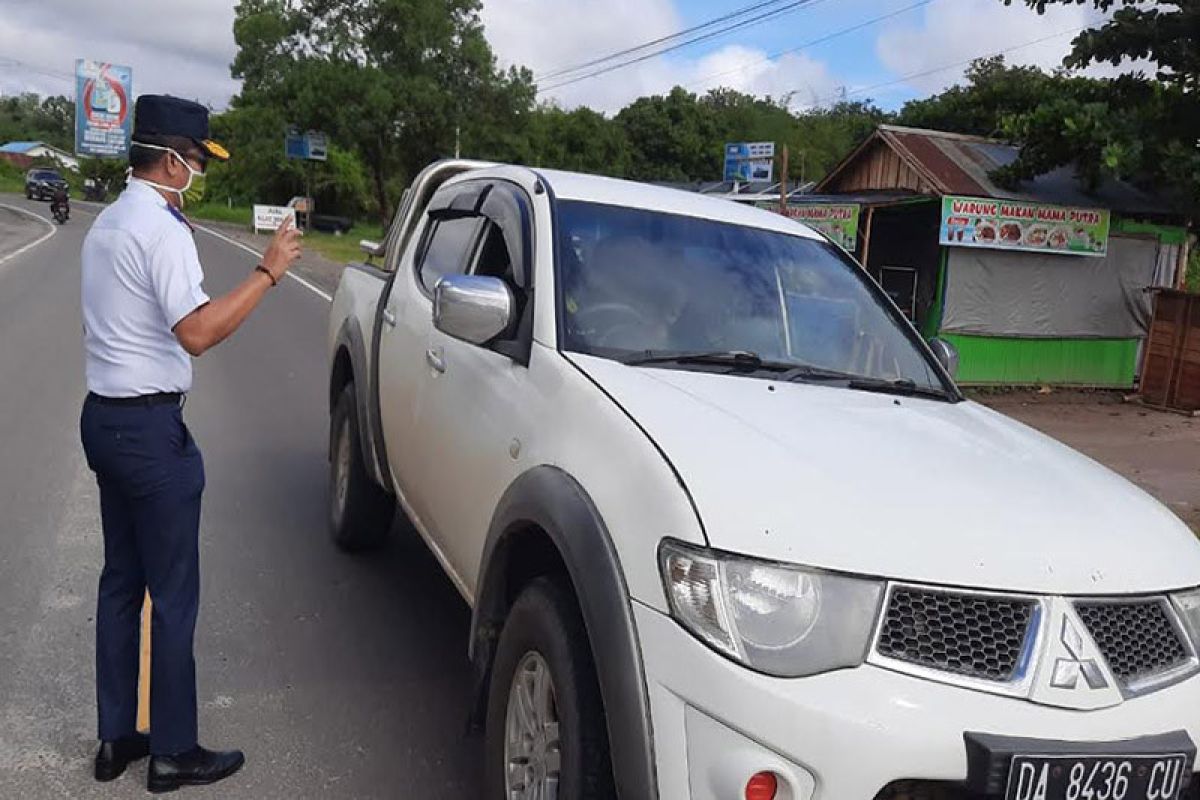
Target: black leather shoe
(196,767)
(113,757)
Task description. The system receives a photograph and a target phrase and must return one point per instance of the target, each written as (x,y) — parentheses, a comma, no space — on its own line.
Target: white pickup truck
(726,525)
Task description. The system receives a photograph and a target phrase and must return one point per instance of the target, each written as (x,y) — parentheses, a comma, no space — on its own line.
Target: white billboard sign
(269,218)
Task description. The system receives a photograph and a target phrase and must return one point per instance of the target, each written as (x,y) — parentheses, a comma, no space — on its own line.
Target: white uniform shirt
(141,276)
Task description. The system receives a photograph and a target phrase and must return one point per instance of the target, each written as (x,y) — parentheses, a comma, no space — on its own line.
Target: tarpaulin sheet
(999,293)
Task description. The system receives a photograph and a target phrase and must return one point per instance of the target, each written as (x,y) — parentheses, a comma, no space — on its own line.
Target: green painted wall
(933,321)
(1167,234)
(1082,362)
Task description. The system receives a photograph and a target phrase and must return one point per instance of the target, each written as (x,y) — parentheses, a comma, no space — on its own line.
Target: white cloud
(796,76)
(540,35)
(183,47)
(952,31)
(547,35)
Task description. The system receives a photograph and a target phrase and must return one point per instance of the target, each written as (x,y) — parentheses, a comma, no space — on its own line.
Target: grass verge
(337,248)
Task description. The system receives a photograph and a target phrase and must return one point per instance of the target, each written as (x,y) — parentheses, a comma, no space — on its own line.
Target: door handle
(389,318)
(434,357)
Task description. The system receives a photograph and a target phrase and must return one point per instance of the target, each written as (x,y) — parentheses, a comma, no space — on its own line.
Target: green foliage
(992,94)
(28,117)
(12,178)
(1193,271)
(1136,127)
(395,82)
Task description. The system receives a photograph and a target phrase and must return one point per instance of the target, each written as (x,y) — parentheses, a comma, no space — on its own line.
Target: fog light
(762,786)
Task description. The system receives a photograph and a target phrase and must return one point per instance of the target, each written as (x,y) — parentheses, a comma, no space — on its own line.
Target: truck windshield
(637,283)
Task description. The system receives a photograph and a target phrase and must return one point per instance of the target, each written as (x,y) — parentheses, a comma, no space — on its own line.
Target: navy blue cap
(163,115)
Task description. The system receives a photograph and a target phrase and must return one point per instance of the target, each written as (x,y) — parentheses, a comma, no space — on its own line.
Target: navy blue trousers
(151,477)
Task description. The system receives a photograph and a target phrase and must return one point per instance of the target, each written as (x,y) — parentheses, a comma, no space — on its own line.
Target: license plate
(1097,777)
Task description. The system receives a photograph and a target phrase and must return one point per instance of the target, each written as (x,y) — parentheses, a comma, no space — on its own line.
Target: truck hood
(901,488)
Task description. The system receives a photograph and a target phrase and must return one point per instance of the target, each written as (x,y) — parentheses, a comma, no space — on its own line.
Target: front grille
(978,636)
(1137,639)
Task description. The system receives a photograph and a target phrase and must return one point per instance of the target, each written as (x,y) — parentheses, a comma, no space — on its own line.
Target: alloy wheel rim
(532,751)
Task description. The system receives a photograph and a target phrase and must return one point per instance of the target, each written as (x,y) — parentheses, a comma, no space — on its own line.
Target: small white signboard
(318,146)
(269,218)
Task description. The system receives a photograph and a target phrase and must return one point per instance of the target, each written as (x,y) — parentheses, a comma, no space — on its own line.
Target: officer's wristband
(267,272)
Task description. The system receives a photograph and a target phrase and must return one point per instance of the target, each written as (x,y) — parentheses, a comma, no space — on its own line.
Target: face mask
(192,192)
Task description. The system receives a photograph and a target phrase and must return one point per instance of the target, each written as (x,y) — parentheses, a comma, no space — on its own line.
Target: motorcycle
(60,207)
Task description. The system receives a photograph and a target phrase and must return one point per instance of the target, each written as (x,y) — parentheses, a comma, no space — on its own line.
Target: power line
(834,35)
(12,62)
(792,6)
(560,71)
(842,95)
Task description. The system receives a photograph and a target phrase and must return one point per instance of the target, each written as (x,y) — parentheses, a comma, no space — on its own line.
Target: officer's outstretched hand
(284,249)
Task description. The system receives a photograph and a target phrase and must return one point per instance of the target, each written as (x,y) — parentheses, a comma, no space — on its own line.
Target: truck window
(494,259)
(447,250)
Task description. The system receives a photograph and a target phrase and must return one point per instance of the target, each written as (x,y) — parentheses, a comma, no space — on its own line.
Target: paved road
(340,677)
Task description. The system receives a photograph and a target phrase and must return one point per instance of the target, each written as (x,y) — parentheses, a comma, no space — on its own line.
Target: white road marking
(306,284)
(53,230)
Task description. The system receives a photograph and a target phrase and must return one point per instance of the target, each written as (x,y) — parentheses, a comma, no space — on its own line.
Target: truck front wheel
(546,731)
(360,513)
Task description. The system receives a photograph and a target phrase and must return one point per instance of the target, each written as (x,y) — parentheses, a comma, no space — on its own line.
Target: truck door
(479,408)
(442,244)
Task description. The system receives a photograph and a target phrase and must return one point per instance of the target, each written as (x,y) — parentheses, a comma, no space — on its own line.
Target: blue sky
(851,57)
(190,57)
(551,33)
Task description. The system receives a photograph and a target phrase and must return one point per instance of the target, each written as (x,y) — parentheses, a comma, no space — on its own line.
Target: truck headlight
(775,618)
(1188,605)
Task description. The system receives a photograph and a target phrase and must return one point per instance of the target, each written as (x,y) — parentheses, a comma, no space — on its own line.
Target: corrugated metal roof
(19,147)
(887,197)
(960,164)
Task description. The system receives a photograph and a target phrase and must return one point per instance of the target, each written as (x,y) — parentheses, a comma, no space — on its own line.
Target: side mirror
(946,355)
(473,308)
(372,249)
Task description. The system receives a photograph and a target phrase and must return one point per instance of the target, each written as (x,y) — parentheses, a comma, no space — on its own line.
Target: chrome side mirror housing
(473,308)
(946,355)
(372,249)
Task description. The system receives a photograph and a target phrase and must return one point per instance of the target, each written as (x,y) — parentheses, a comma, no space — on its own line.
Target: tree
(581,140)
(397,82)
(993,93)
(31,118)
(671,138)
(1135,127)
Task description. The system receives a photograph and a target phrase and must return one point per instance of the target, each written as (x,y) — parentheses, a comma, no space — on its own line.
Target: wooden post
(783,183)
(866,249)
(1181,268)
(143,711)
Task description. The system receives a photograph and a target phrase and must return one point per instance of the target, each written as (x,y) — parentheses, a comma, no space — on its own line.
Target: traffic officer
(145,314)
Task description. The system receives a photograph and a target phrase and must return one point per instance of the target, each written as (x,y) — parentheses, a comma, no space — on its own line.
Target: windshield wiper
(749,361)
(736,359)
(903,386)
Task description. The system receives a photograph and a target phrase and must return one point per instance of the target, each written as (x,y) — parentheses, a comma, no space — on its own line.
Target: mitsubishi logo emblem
(1068,671)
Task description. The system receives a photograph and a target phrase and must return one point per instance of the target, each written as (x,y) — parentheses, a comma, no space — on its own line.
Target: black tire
(545,621)
(360,513)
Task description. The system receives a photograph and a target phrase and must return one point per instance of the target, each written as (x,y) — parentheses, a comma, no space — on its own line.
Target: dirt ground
(1157,450)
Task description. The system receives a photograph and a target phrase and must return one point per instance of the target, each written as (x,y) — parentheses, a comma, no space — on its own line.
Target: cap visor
(215,150)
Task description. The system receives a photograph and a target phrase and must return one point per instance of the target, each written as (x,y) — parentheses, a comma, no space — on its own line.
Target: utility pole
(783,183)
(458,141)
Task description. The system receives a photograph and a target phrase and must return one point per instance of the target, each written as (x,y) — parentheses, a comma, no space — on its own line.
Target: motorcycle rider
(61,204)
